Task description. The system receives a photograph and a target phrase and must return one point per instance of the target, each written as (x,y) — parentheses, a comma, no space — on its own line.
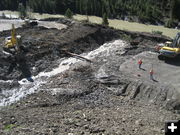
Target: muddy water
(8,97)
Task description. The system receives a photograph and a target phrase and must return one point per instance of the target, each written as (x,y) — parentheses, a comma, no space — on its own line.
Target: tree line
(144,9)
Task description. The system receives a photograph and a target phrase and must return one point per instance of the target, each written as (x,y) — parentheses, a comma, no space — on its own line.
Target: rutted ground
(103,97)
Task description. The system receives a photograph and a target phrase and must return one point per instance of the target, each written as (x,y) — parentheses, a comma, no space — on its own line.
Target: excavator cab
(170,49)
(11,41)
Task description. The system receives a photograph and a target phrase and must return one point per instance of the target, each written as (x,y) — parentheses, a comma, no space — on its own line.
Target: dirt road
(166,73)
(6,24)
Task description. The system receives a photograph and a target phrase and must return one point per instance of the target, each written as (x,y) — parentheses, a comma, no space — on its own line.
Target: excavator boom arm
(176,40)
(13,35)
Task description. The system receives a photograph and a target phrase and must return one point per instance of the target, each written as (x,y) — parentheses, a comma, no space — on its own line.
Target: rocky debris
(141,91)
(109,80)
(173,105)
(136,41)
(9,84)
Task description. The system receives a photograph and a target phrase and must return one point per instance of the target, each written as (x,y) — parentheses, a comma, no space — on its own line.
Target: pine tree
(69,14)
(105,19)
(173,2)
(22,11)
(113,8)
(175,10)
(3,16)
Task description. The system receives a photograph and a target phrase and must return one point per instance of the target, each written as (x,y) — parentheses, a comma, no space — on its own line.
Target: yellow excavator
(15,54)
(170,49)
(12,43)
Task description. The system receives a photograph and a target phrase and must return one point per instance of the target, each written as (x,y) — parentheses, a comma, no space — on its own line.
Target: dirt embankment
(88,98)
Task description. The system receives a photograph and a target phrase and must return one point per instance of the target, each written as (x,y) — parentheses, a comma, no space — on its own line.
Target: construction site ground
(72,96)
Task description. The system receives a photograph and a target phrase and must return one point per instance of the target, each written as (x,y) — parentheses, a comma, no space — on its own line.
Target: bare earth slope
(108,96)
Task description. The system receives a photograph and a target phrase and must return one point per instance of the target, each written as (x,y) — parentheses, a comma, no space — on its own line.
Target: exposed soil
(44,45)
(103,97)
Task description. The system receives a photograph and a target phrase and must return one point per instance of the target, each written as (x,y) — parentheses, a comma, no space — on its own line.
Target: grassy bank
(118,24)
(131,26)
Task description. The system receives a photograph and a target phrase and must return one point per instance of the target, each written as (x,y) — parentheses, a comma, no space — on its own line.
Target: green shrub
(126,37)
(9,127)
(157,32)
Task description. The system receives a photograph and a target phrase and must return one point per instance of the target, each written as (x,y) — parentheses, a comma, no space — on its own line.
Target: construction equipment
(13,42)
(15,54)
(30,23)
(170,49)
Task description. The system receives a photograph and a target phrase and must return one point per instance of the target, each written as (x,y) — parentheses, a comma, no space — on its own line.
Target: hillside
(144,11)
(104,93)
